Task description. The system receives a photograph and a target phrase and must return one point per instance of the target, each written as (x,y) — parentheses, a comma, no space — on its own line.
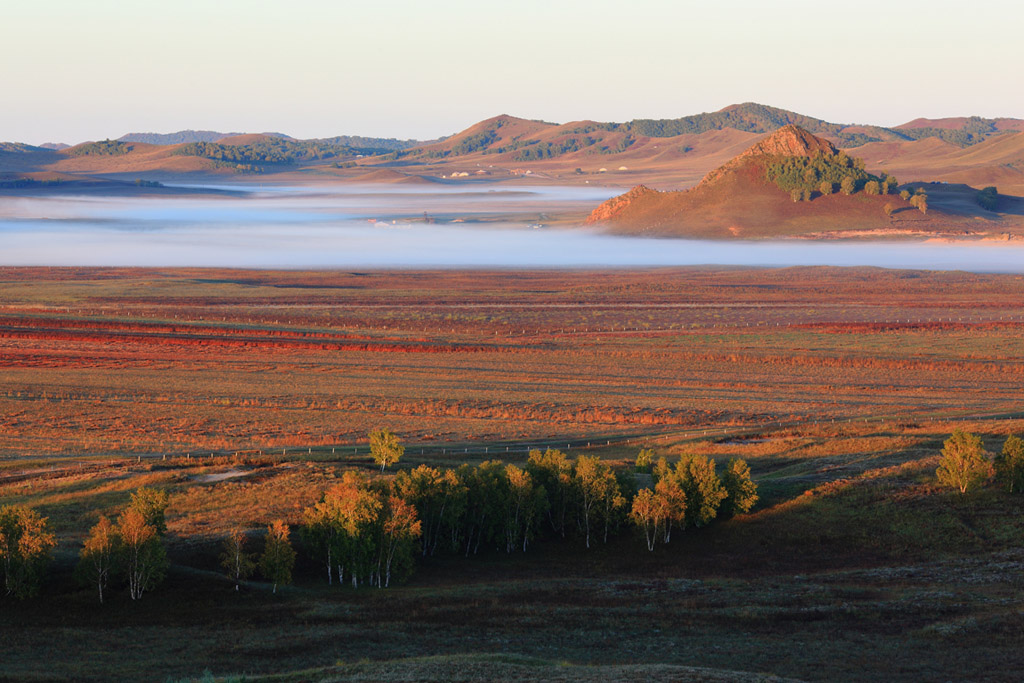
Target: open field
(836,386)
(145,361)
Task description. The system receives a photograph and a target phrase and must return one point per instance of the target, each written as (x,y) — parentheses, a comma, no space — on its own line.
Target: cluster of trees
(25,544)
(691,494)
(364,528)
(267,151)
(18,183)
(132,548)
(548,150)
(474,143)
(805,176)
(369,530)
(973,131)
(965,464)
(988,198)
(108,148)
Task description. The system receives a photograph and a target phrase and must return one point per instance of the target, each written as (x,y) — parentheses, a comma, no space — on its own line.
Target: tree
(888,208)
(349,517)
(25,545)
(741,491)
(826,187)
(648,513)
(1010,464)
(385,448)
(963,465)
(400,529)
(672,496)
(643,460)
(99,555)
(152,505)
(525,504)
(905,195)
(594,481)
(704,490)
(988,198)
(486,491)
(440,499)
(872,187)
(238,564)
(796,194)
(848,185)
(552,470)
(920,201)
(278,557)
(143,555)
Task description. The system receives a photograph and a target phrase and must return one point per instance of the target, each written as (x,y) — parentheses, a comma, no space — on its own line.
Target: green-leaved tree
(963,465)
(152,505)
(278,557)
(25,544)
(741,491)
(1010,464)
(237,563)
(385,448)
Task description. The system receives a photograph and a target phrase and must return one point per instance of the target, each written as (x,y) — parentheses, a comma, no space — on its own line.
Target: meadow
(246,394)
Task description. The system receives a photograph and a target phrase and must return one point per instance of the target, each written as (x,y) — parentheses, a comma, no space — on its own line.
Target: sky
(72,71)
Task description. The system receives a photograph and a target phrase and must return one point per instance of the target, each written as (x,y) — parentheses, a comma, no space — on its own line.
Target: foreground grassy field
(856,565)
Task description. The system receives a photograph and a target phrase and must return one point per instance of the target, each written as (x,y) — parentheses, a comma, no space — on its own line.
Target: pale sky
(74,70)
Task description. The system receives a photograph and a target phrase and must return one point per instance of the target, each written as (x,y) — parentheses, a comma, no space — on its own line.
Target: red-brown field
(110,361)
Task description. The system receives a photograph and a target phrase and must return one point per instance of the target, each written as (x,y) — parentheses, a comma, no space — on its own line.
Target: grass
(872,573)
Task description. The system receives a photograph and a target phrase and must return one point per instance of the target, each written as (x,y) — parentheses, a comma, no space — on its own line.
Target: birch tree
(385,448)
(143,555)
(278,557)
(99,555)
(237,563)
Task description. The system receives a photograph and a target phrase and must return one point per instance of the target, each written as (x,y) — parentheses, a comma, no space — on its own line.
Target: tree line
(369,530)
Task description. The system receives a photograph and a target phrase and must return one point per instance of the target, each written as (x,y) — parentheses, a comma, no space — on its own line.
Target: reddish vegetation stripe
(165,328)
(50,334)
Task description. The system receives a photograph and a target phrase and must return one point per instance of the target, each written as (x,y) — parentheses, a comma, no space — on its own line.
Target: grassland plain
(120,361)
(854,566)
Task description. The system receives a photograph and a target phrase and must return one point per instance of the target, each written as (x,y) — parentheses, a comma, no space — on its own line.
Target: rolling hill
(789,184)
(664,153)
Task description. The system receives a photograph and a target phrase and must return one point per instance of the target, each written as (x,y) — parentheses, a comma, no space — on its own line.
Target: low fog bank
(402,227)
(431,246)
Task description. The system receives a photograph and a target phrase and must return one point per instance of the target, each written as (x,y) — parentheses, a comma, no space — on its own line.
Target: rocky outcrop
(613,206)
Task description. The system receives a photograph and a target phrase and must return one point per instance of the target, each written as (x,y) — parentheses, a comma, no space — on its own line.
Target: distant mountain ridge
(528,140)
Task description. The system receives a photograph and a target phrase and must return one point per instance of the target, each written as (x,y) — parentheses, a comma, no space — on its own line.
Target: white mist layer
(315,227)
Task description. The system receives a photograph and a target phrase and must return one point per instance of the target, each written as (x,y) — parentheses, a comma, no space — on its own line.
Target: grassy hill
(669,153)
(790,184)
